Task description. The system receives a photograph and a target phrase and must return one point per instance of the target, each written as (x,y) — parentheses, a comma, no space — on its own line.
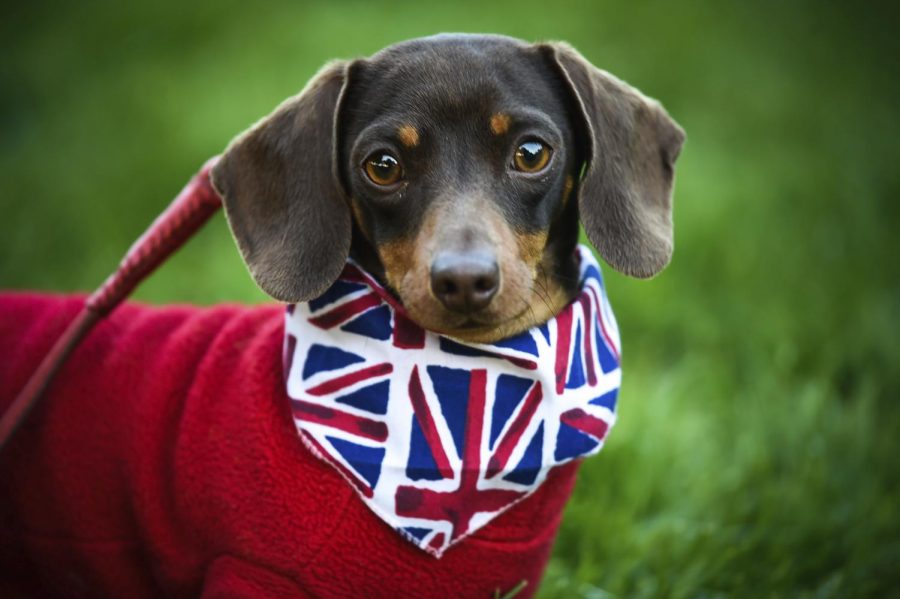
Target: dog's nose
(464,282)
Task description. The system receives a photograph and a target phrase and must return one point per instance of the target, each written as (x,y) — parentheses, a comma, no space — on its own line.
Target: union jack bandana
(439,436)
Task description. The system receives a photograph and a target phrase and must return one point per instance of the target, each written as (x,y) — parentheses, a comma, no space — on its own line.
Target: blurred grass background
(757,448)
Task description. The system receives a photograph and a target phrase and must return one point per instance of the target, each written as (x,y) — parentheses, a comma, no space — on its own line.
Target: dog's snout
(465,282)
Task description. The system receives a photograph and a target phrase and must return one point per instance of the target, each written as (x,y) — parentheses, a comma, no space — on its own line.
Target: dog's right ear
(278,181)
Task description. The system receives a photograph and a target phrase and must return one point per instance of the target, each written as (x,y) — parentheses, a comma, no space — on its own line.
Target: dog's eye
(531,156)
(383,168)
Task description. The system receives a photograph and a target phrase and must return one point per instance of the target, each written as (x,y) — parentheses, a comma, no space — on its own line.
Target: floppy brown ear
(625,195)
(285,206)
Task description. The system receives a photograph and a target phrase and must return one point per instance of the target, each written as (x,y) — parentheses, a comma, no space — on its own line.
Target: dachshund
(454,170)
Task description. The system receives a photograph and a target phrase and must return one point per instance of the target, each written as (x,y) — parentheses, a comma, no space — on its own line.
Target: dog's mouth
(473,326)
(474,322)
(484,327)
(463,326)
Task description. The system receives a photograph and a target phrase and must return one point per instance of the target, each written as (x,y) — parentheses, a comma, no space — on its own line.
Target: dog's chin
(472,330)
(490,325)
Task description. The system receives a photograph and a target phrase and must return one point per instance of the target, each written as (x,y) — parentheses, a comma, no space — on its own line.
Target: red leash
(187,213)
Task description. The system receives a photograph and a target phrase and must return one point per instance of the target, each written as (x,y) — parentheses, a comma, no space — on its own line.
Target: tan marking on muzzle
(531,247)
(398,258)
(528,293)
(408,135)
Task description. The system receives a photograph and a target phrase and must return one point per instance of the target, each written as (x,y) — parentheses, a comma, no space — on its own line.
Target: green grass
(757,445)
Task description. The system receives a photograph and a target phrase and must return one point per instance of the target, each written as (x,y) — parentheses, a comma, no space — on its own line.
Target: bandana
(439,436)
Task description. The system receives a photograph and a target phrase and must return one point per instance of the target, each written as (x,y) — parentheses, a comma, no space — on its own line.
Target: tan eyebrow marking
(499,123)
(408,135)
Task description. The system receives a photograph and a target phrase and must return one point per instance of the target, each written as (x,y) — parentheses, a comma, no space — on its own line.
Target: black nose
(464,282)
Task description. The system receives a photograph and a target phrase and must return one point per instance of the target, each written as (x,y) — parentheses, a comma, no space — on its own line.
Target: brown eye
(532,156)
(383,168)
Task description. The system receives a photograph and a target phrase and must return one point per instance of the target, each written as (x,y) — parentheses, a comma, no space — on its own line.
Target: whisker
(544,294)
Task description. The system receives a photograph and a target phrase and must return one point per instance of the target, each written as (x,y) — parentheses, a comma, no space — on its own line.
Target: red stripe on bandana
(340,420)
(563,347)
(346,311)
(585,301)
(581,420)
(426,421)
(511,438)
(407,334)
(609,342)
(351,378)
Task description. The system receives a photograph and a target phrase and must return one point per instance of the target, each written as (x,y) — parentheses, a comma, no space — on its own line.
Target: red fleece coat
(164,462)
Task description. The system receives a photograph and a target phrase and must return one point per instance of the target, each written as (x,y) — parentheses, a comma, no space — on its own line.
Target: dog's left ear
(284,203)
(625,195)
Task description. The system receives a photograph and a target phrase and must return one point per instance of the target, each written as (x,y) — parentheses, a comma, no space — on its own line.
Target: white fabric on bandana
(436,435)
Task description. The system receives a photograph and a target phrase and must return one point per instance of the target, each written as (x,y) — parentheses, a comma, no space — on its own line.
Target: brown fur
(408,135)
(499,123)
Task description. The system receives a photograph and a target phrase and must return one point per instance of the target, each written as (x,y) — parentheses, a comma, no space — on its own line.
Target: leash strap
(187,213)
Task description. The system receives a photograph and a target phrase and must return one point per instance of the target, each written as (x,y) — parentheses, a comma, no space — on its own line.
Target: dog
(454,171)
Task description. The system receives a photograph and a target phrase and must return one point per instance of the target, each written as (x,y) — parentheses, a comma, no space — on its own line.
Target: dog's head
(455,168)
